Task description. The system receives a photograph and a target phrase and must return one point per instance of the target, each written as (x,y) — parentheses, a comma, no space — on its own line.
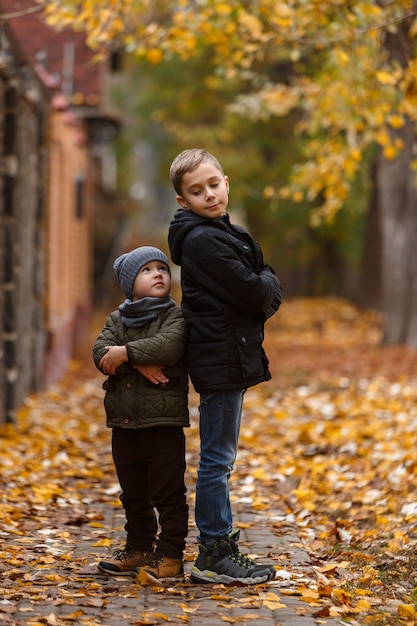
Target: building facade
(52,129)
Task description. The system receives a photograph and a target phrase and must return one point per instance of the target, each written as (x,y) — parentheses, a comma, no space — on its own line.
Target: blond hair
(188,161)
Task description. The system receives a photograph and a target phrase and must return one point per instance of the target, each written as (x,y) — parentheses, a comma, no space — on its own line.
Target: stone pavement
(51,577)
(49,556)
(277,603)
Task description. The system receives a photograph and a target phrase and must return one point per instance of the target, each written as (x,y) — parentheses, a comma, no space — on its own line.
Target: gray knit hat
(127,266)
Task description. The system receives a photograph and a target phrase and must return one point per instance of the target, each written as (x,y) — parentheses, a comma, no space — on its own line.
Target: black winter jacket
(227,294)
(131,401)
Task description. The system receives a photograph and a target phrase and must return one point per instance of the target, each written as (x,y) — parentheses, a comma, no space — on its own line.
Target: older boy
(228,293)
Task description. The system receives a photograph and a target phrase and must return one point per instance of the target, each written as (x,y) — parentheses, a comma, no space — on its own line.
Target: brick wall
(46,202)
(68,293)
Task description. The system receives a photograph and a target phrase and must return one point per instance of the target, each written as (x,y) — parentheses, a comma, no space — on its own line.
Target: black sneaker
(124,561)
(234,538)
(225,564)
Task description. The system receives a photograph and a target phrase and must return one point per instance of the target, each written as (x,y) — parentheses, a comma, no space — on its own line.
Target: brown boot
(124,561)
(160,566)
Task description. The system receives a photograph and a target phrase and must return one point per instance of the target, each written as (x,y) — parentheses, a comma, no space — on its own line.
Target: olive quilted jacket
(131,401)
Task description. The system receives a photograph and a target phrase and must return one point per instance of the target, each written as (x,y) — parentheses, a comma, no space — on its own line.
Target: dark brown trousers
(150,465)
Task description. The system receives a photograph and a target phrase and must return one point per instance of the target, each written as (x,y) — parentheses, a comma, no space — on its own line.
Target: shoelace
(121,555)
(241,559)
(155,559)
(238,556)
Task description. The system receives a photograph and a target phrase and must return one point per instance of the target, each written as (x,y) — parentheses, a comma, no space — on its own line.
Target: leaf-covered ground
(329,443)
(344,410)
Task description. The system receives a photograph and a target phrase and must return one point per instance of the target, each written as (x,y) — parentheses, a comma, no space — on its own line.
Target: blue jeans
(220,418)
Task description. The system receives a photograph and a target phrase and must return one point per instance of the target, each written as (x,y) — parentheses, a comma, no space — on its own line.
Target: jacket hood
(184,221)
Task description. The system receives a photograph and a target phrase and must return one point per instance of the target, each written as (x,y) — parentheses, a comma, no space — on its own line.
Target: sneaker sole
(208,576)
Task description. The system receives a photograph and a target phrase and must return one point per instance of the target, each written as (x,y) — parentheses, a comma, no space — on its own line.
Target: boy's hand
(115,356)
(154,373)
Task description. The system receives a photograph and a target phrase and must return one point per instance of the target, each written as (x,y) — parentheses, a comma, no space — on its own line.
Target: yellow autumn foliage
(354,94)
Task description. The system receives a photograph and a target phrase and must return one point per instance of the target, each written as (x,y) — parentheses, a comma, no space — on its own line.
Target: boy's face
(205,191)
(152,280)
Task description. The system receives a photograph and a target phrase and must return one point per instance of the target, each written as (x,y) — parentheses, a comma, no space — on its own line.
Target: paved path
(49,556)
(275,604)
(52,578)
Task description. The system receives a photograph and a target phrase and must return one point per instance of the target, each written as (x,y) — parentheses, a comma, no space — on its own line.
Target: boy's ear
(182,202)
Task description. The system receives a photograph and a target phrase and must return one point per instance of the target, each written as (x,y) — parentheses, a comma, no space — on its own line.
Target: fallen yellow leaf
(102,543)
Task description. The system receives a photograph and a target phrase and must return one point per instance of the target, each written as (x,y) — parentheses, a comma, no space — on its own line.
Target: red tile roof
(62,60)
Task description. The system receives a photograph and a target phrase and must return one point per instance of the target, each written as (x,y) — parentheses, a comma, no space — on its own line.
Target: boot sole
(151,577)
(113,572)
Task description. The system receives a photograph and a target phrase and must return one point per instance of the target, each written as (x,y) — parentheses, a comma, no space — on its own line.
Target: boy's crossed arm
(117,355)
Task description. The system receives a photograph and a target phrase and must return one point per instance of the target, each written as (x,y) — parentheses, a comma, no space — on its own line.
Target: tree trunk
(369,290)
(397,194)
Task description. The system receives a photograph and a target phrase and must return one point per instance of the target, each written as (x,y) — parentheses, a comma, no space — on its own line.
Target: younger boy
(227,294)
(141,349)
